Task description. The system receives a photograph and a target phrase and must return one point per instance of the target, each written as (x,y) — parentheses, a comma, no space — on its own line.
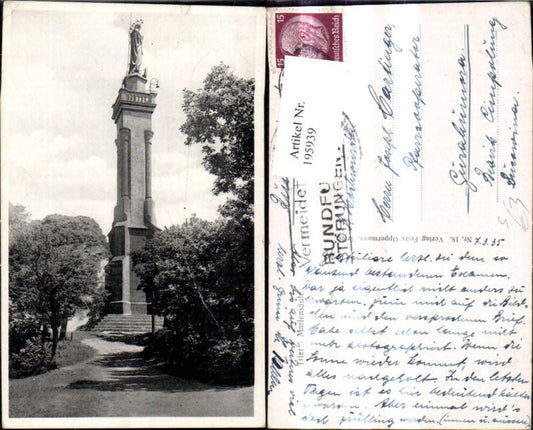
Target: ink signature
(517,211)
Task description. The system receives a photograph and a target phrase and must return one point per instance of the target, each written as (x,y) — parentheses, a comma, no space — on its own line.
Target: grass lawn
(73,351)
(69,351)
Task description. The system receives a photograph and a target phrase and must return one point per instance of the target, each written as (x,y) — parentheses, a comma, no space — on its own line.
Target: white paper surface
(400,287)
(309,118)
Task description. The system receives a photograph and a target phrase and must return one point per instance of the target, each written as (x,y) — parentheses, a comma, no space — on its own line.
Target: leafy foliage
(220,117)
(22,326)
(201,274)
(53,267)
(33,358)
(205,292)
(19,221)
(96,307)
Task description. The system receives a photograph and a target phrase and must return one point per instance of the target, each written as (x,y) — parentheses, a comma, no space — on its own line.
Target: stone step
(115,329)
(125,318)
(126,327)
(144,329)
(128,323)
(140,326)
(128,317)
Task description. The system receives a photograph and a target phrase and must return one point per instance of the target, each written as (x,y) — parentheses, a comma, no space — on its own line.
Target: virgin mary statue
(136,48)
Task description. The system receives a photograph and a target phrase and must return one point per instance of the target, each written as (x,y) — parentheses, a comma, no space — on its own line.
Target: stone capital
(148,134)
(124,135)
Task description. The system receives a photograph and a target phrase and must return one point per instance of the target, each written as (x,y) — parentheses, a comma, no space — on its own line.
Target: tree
(202,286)
(19,220)
(178,265)
(54,267)
(220,117)
(200,274)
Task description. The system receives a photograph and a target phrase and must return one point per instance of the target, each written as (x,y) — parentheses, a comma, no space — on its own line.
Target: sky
(62,72)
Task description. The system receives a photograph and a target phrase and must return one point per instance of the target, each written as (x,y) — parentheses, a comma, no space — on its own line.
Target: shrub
(160,346)
(28,355)
(34,358)
(200,275)
(22,326)
(230,361)
(220,360)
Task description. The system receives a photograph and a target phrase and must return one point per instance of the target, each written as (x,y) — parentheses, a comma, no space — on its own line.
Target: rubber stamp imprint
(311,35)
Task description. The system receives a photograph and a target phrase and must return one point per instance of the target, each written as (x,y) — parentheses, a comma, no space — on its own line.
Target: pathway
(118,382)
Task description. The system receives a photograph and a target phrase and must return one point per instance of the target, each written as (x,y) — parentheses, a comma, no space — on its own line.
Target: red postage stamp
(311,35)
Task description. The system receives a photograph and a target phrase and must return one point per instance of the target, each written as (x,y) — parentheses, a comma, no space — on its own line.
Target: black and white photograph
(132,208)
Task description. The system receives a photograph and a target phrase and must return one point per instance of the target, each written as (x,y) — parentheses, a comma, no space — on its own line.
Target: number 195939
(309,148)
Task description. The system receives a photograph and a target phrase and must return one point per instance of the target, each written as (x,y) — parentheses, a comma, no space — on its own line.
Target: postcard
(398,246)
(142,123)
(400,216)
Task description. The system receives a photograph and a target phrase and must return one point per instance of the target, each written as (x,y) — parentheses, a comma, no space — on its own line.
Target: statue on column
(136,48)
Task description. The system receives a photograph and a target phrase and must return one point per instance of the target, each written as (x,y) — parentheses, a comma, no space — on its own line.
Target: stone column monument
(133,221)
